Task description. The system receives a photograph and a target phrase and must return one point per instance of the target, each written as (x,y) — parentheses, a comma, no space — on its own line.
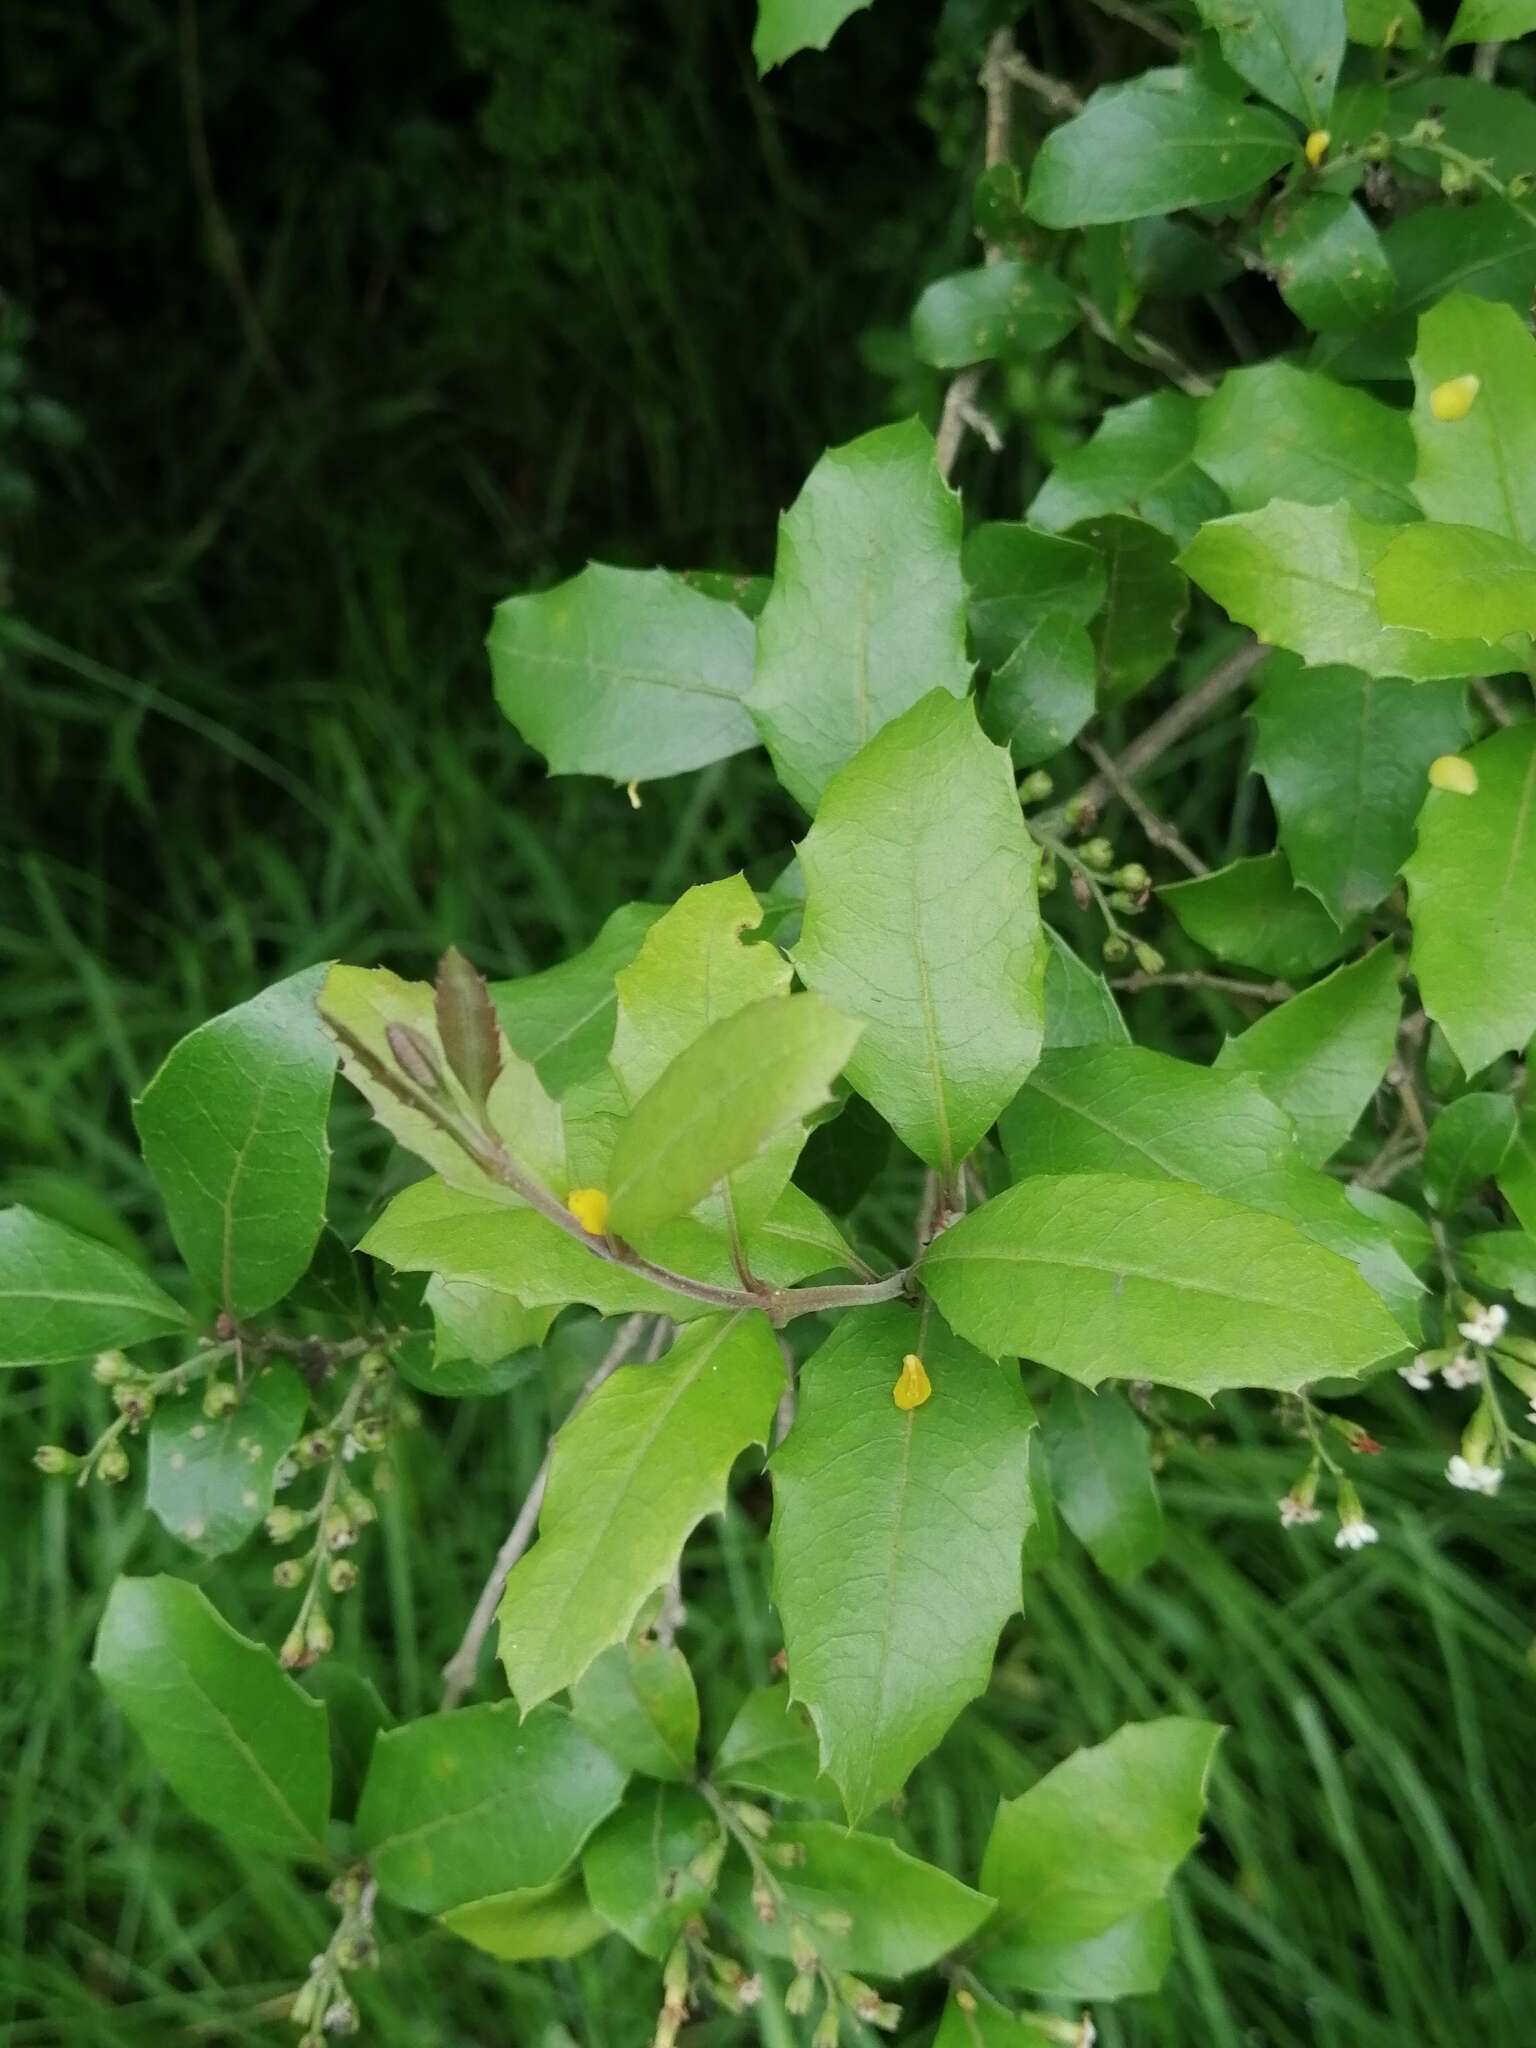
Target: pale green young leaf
(1080,1006)
(1128,1959)
(1100,1464)
(746,1078)
(1344,756)
(1158,142)
(1501,1261)
(1472,897)
(1300,576)
(1099,1837)
(465,1806)
(1492,21)
(1044,693)
(1137,631)
(1458,582)
(639,1866)
(63,1296)
(787,26)
(770,1747)
(211,1481)
(1329,263)
(906,1914)
(1321,1055)
(545,1923)
(868,607)
(638,1700)
(1017,576)
(1273,431)
(1288,50)
(921,920)
(634,1470)
(1467,1143)
(1517,1173)
(1000,312)
(562,1020)
(477,1328)
(1253,914)
(361,1005)
(1108,1276)
(233,1131)
(1139,459)
(896,1543)
(232,1735)
(1480,470)
(626,673)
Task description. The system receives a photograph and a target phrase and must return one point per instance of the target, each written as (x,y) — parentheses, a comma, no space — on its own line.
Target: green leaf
(1080,1006)
(477,1330)
(638,1700)
(1490,122)
(468,1805)
(896,1542)
(1018,576)
(1491,21)
(1127,1109)
(1288,50)
(1129,1958)
(1136,633)
(1517,1174)
(1321,1056)
(1003,311)
(906,1914)
(1139,459)
(1503,1261)
(210,1482)
(356,1717)
(1329,263)
(562,1020)
(639,1869)
(365,1009)
(1099,1837)
(868,608)
(1458,582)
(747,1077)
(235,1739)
(63,1296)
(1273,431)
(1390,24)
(1044,693)
(1105,1276)
(770,1747)
(547,1923)
(1253,913)
(1472,896)
(634,1470)
(233,1131)
(1101,1479)
(787,26)
(1300,576)
(1467,1144)
(1486,248)
(1161,141)
(1481,470)
(626,673)
(922,920)
(1344,756)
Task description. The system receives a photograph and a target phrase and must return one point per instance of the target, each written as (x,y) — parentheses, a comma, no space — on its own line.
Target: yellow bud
(1454,399)
(1453,774)
(590,1208)
(914,1386)
(1316,146)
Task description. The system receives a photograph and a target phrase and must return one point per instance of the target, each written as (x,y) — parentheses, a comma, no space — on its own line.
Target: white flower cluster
(1486,1327)
(1354,1535)
(1473,1476)
(1295,1513)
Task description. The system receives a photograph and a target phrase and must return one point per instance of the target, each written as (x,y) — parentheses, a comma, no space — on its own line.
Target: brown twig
(1156,829)
(1222,984)
(960,410)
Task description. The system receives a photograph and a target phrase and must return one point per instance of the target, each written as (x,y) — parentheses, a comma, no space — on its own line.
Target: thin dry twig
(1156,829)
(960,408)
(1222,984)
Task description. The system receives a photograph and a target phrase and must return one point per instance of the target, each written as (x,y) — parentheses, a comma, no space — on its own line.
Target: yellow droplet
(1316,146)
(590,1208)
(1454,399)
(1454,774)
(914,1386)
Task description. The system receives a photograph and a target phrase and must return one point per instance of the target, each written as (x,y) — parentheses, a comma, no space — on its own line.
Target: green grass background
(517,285)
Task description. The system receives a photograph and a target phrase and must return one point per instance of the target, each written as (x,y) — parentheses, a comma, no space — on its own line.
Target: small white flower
(1354,1536)
(1486,1327)
(750,1990)
(285,1474)
(1474,1477)
(350,1447)
(1087,2033)
(1420,1375)
(1464,1370)
(1294,1512)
